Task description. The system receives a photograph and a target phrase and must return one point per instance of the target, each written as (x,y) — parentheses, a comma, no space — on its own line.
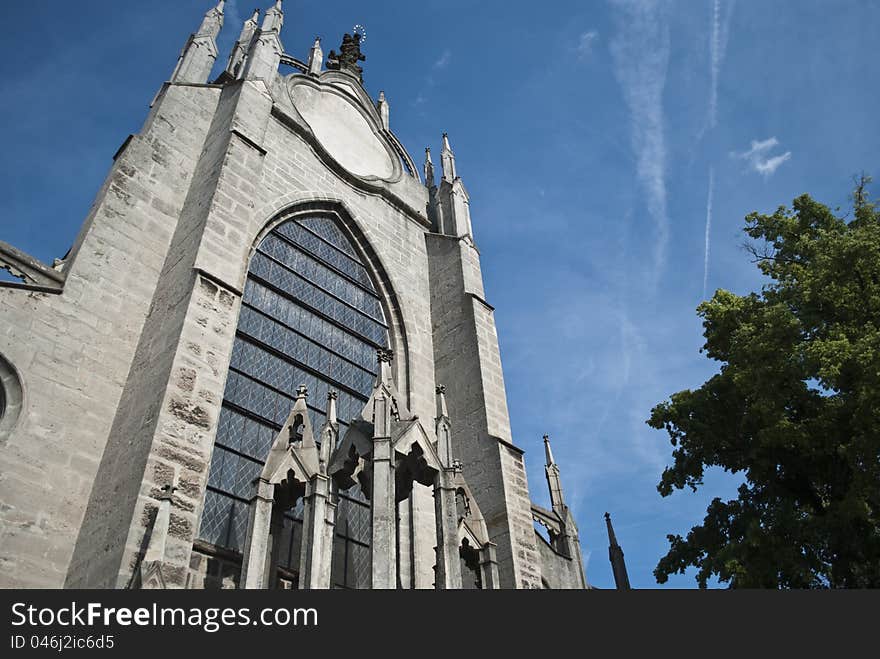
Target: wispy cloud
(611,387)
(585,44)
(759,159)
(442,61)
(438,66)
(708,227)
(717,48)
(767,167)
(641,58)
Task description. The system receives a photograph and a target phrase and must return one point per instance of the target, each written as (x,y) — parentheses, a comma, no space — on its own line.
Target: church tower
(268,360)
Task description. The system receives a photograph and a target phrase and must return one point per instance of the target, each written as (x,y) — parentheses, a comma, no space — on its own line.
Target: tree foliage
(795,409)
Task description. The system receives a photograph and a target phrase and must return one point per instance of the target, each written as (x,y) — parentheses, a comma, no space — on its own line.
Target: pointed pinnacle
(612,539)
(548,452)
(331,406)
(442,409)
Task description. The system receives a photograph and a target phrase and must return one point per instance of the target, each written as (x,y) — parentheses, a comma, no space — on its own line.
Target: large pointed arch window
(310,315)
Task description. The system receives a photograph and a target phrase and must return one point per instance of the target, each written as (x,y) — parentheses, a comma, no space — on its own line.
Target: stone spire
(615,555)
(568,541)
(443,429)
(200,52)
(384,111)
(242,46)
(449,209)
(429,168)
(301,407)
(265,52)
(332,397)
(384,376)
(330,431)
(447,160)
(548,452)
(316,57)
(442,409)
(213,21)
(274,18)
(554,480)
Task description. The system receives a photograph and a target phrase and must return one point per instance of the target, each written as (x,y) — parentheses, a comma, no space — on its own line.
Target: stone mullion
(489,567)
(383,546)
(315,557)
(448,574)
(257,553)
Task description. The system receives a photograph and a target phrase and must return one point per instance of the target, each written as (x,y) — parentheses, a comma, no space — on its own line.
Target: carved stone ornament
(348,57)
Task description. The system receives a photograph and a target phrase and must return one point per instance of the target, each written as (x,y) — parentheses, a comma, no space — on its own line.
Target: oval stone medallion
(343,131)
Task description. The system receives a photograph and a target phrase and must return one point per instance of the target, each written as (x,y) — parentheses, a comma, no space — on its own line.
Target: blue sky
(605,145)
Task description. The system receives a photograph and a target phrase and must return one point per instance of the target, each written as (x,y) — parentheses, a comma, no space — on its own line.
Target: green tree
(795,409)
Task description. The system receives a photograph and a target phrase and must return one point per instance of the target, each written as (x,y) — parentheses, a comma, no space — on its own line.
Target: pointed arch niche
(316,308)
(11,398)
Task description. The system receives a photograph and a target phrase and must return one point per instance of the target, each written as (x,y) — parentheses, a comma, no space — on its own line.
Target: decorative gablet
(240,50)
(449,202)
(265,48)
(316,56)
(349,56)
(198,55)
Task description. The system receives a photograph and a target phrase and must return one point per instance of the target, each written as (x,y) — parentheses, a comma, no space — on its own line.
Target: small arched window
(469,556)
(10,398)
(310,315)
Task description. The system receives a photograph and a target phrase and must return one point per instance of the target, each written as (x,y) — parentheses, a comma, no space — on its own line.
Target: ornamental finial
(346,61)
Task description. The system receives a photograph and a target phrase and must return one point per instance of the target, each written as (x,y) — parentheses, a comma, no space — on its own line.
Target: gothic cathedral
(267,361)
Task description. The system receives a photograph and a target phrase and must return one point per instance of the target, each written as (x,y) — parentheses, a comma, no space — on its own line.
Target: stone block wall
(124,371)
(74,350)
(253,167)
(557,572)
(467,361)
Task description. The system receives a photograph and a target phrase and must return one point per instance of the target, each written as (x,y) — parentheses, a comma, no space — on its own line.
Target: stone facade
(113,362)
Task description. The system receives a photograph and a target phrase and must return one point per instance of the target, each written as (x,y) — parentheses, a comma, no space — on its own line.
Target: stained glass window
(310,315)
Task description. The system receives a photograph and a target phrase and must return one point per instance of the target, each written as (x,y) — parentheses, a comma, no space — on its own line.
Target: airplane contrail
(708,227)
